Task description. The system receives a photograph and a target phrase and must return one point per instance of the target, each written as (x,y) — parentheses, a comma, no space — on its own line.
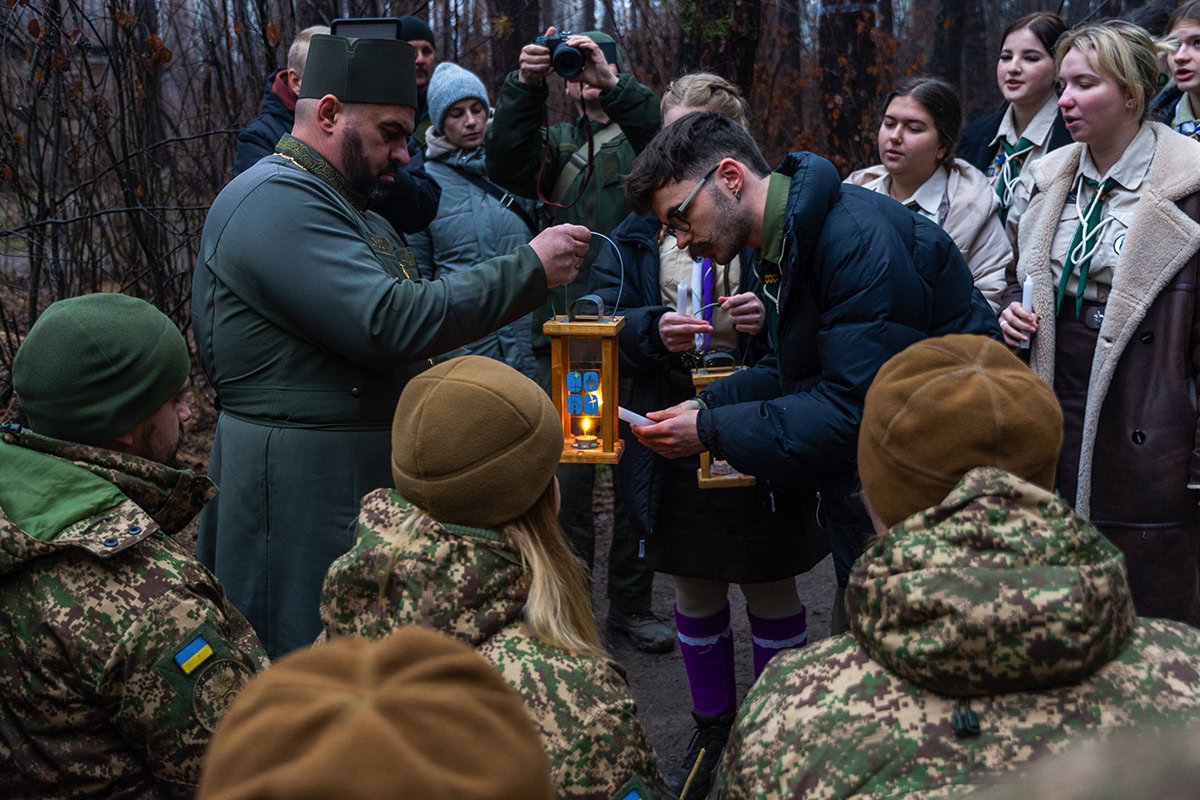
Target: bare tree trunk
(609,25)
(848,89)
(589,16)
(721,37)
(514,24)
(978,72)
(948,42)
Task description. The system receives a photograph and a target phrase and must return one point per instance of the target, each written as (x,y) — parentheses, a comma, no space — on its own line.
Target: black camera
(566,60)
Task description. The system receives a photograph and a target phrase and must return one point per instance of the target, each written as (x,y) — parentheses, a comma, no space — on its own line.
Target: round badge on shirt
(1119,244)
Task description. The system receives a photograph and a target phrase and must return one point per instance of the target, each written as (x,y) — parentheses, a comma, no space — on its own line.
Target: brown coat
(1140,436)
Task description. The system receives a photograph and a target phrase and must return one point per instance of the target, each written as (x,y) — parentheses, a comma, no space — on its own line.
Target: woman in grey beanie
(476,220)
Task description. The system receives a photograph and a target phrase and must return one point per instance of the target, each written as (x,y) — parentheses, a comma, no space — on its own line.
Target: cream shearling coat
(1161,240)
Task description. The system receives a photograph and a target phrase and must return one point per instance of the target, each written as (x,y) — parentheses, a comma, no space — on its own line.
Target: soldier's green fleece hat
(93,367)
(381,71)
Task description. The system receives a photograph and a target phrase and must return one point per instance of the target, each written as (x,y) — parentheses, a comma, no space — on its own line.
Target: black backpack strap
(507,199)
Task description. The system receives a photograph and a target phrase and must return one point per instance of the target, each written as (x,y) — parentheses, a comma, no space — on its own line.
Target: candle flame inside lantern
(586,424)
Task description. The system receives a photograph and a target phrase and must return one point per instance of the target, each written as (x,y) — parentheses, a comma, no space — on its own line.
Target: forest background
(118,118)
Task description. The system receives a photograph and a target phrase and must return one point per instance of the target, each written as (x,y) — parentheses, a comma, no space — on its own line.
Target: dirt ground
(659,682)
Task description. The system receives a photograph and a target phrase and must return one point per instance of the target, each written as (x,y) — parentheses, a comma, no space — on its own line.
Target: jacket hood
(814,191)
(271,104)
(62,494)
(639,229)
(459,580)
(438,148)
(1001,588)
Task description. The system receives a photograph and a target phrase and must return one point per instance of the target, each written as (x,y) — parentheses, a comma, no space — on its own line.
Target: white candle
(1027,303)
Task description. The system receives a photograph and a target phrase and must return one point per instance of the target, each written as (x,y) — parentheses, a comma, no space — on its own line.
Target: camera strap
(578,162)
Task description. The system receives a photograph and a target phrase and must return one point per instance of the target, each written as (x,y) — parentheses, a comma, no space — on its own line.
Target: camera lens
(567,60)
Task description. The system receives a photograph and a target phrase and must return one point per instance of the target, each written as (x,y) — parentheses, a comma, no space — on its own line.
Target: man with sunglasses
(851,278)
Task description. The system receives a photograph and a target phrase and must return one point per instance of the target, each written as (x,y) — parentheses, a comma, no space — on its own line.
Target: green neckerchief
(1010,169)
(309,160)
(773,217)
(1084,243)
(171,497)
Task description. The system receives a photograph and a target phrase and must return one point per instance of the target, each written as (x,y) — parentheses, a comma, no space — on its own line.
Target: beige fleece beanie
(944,406)
(474,442)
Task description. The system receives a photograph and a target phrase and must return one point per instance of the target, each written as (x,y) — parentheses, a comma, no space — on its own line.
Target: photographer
(620,116)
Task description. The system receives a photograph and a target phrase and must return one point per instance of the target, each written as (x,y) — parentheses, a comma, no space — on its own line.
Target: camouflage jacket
(466,582)
(118,650)
(1000,603)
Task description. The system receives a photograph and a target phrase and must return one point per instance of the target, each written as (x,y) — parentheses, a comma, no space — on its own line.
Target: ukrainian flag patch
(195,653)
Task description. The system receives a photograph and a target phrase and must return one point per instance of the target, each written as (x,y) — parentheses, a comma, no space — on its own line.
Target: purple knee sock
(707,647)
(773,635)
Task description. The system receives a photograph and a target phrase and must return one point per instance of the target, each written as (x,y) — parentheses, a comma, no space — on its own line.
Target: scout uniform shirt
(675,265)
(930,200)
(1185,119)
(1036,133)
(1129,173)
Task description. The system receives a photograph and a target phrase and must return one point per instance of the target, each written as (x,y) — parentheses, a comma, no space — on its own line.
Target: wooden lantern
(583,379)
(704,476)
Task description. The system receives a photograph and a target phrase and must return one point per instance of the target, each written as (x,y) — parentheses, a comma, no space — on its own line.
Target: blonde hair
(298,52)
(1122,50)
(704,90)
(558,609)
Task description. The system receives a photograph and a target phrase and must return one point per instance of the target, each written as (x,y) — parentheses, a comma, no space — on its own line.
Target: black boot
(710,734)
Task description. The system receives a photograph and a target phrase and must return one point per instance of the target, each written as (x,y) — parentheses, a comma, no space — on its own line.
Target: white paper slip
(633,419)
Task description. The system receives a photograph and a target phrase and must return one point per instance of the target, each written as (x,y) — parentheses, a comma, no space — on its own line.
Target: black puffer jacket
(410,206)
(259,138)
(862,278)
(645,362)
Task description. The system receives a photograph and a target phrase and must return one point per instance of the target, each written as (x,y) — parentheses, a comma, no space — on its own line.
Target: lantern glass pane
(584,378)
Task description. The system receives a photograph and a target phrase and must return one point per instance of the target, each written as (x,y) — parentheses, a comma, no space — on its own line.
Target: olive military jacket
(988,631)
(469,583)
(118,650)
(517,145)
(310,317)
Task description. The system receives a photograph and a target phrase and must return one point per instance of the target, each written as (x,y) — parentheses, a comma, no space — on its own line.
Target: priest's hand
(746,312)
(674,435)
(561,250)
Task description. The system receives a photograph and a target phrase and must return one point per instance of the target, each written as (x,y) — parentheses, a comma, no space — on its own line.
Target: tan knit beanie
(474,442)
(417,714)
(945,406)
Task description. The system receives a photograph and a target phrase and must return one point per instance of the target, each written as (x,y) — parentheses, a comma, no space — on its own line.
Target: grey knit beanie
(449,84)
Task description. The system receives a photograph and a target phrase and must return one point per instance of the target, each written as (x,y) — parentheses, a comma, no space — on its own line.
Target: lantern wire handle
(620,288)
(621,264)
